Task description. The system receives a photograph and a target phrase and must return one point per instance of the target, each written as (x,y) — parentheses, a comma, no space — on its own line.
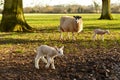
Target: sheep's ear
(80,17)
(74,16)
(62,47)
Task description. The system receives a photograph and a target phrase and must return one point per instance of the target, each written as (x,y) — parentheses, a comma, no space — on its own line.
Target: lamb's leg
(37,58)
(49,62)
(52,64)
(102,37)
(94,37)
(43,59)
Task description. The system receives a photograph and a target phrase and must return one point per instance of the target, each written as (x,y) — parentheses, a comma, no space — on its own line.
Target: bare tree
(96,6)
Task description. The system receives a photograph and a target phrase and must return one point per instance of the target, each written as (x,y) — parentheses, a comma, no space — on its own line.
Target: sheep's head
(77,18)
(59,51)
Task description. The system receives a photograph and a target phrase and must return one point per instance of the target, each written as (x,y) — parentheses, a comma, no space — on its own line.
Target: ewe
(100,32)
(50,53)
(70,24)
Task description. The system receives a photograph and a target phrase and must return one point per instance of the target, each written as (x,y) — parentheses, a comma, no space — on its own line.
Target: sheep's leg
(61,36)
(43,59)
(52,64)
(37,58)
(48,63)
(94,37)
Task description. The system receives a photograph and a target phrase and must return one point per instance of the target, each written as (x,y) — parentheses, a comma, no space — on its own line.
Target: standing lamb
(70,24)
(50,53)
(100,32)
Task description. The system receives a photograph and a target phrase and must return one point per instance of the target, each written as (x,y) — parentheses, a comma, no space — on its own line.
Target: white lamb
(70,24)
(50,53)
(100,32)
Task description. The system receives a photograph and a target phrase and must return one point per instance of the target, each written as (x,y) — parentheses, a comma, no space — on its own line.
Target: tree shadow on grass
(109,26)
(47,30)
(6,34)
(18,41)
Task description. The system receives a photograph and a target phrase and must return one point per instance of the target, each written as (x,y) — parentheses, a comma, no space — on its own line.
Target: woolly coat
(68,24)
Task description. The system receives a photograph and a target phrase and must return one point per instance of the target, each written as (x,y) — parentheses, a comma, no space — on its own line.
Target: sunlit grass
(47,33)
(90,20)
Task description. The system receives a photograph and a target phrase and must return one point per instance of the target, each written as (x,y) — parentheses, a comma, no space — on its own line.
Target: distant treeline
(115,8)
(60,9)
(69,9)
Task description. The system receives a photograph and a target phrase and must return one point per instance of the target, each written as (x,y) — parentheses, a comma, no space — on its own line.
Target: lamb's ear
(62,47)
(56,47)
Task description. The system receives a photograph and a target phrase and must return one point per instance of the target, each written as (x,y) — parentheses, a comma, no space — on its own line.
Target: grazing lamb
(70,24)
(50,53)
(100,32)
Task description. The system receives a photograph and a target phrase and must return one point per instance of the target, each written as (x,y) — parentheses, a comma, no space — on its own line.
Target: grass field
(47,32)
(90,21)
(84,58)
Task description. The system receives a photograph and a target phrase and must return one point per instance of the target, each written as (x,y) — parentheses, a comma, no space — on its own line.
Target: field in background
(90,21)
(84,59)
(47,33)
(47,29)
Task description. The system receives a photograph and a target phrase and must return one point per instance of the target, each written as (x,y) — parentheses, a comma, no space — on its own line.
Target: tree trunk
(106,11)
(13,17)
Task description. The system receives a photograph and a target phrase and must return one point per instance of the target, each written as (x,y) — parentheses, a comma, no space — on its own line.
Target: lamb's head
(107,31)
(59,51)
(77,18)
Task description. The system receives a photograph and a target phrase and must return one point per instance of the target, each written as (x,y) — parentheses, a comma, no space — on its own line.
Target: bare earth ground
(89,64)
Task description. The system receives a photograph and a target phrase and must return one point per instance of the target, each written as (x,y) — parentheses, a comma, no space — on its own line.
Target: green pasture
(90,21)
(47,33)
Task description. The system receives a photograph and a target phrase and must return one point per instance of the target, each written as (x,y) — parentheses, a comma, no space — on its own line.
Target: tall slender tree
(13,17)
(106,10)
(96,6)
